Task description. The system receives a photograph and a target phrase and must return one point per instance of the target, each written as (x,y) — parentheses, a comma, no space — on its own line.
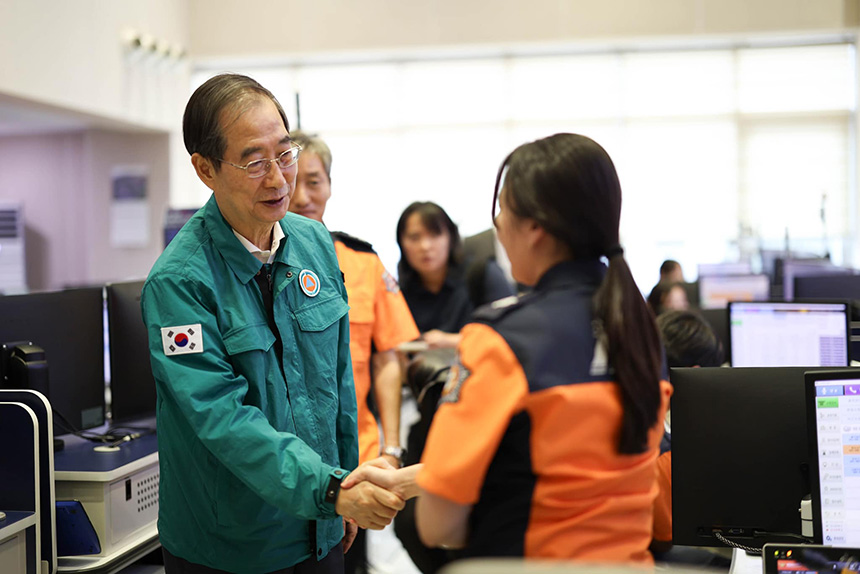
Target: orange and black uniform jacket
(528,432)
(378,317)
(663,502)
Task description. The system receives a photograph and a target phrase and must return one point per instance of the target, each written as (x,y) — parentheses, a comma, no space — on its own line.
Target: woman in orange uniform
(545,442)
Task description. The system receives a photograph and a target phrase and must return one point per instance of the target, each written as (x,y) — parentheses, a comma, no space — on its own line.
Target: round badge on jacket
(309,282)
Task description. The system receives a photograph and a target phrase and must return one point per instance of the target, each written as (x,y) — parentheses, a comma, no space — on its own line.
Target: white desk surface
(743,563)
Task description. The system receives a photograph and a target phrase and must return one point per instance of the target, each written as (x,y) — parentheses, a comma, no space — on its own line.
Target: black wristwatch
(333,488)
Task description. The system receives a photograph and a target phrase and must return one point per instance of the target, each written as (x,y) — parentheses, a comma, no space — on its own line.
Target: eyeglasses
(260,167)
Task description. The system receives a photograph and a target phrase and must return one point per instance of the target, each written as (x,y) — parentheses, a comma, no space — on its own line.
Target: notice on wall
(129,210)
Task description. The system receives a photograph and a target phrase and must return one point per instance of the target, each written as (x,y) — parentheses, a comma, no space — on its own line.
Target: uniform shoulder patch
(353,243)
(390,282)
(182,339)
(457,374)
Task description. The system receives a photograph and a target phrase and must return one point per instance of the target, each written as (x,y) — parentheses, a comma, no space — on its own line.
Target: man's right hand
(368,505)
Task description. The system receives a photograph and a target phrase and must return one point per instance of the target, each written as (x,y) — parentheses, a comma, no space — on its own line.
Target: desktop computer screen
(827,287)
(740,457)
(794,268)
(737,268)
(715,291)
(131,383)
(69,326)
(833,420)
(779,334)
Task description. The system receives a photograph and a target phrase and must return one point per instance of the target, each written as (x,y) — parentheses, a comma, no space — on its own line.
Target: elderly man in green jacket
(249,340)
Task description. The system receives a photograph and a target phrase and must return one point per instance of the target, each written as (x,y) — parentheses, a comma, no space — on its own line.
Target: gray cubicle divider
(19,471)
(41,407)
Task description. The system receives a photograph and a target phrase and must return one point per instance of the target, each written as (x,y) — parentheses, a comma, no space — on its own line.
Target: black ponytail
(634,352)
(567,183)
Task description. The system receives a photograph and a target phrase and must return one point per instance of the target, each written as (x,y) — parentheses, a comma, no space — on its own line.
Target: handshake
(373,493)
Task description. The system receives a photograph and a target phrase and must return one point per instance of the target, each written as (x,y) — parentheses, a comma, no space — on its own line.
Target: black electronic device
(131,382)
(740,459)
(792,269)
(787,334)
(69,326)
(718,319)
(23,366)
(809,559)
(833,423)
(827,287)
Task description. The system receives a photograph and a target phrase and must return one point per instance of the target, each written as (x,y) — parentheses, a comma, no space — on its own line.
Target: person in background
(248,334)
(561,393)
(667,296)
(689,342)
(488,270)
(379,320)
(670,270)
(432,274)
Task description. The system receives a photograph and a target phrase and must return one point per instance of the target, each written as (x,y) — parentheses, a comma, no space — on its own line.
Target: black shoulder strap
(353,243)
(492,312)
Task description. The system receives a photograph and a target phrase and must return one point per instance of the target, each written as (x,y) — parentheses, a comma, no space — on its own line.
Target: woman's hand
(437,339)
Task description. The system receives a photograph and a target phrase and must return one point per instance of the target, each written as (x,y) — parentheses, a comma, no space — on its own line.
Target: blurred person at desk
(379,320)
(249,342)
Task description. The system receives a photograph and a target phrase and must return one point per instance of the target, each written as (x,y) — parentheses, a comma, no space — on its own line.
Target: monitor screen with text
(776,334)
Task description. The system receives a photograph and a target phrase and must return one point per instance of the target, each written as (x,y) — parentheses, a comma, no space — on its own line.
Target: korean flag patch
(182,340)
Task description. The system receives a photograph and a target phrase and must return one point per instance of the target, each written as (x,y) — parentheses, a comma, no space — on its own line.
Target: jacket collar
(240,260)
(567,273)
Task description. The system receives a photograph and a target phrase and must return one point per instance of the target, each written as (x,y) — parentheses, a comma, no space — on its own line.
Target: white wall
(70,54)
(63,182)
(225,28)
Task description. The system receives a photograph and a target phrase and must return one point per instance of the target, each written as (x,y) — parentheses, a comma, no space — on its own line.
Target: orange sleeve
(393,322)
(663,502)
(484,390)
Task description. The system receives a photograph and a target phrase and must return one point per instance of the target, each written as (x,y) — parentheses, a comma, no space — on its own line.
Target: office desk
(119,491)
(743,563)
(18,542)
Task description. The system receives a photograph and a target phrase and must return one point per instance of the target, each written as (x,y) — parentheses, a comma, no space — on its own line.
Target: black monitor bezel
(129,356)
(727,444)
(65,326)
(847,311)
(810,377)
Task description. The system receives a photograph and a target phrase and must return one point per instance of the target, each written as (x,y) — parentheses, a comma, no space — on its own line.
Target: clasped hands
(373,493)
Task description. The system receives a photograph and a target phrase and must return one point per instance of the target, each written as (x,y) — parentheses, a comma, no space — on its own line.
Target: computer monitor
(173,222)
(831,286)
(131,383)
(716,291)
(718,319)
(69,326)
(833,422)
(780,334)
(736,268)
(794,268)
(739,455)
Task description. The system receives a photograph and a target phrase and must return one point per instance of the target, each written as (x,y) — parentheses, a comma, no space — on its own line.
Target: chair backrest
(41,408)
(19,462)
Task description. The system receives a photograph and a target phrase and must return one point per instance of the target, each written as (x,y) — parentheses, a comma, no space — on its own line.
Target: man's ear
(205,170)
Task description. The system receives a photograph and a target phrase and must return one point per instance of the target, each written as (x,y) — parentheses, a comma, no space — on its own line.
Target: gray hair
(312,143)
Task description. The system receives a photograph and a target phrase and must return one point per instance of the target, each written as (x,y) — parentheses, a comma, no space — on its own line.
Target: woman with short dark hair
(431,273)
